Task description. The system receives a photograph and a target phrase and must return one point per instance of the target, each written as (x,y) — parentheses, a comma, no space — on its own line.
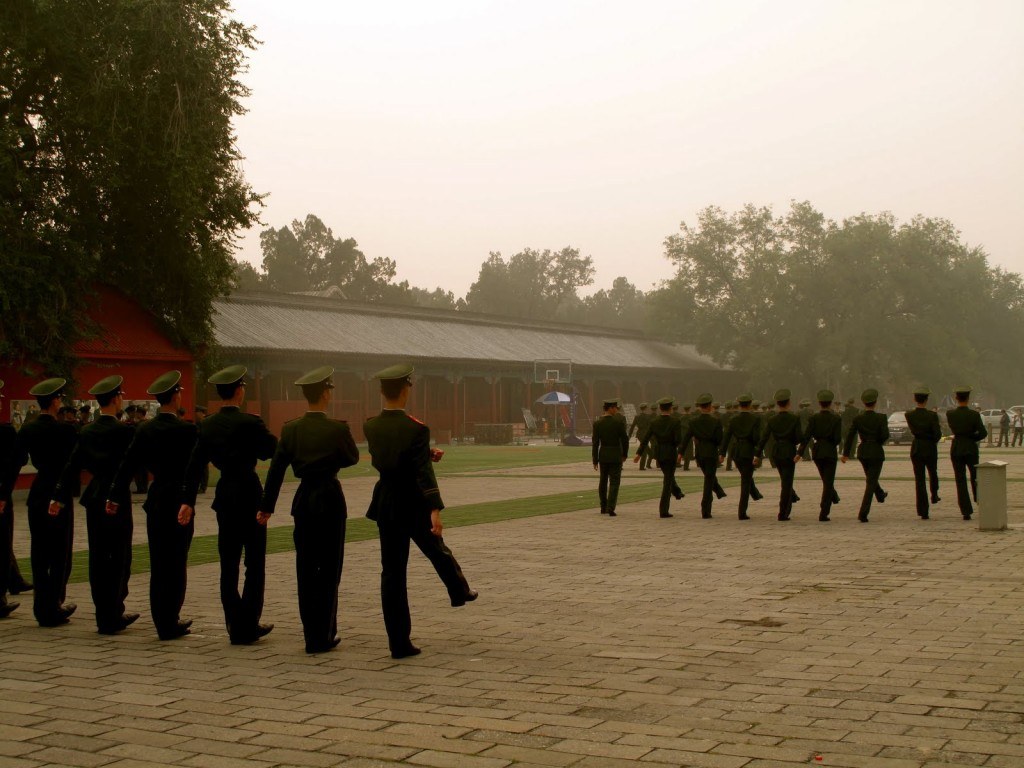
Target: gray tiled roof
(266,322)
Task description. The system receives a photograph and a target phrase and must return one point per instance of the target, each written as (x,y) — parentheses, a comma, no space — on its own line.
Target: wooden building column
(494,399)
(455,408)
(425,415)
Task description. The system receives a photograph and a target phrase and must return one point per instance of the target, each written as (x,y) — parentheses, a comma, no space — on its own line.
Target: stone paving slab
(596,642)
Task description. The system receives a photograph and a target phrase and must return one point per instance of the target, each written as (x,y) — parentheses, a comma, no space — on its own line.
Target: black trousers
(1018,437)
(668,485)
(925,466)
(787,471)
(962,467)
(394,560)
(747,488)
(319,556)
(51,557)
(6,551)
(647,458)
(872,487)
(238,534)
(169,543)
(110,560)
(608,485)
(709,468)
(827,471)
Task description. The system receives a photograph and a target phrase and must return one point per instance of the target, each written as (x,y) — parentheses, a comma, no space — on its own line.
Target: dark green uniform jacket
(162,446)
(826,429)
(744,432)
(102,445)
(407,490)
(924,425)
(610,443)
(707,431)
(967,428)
(873,429)
(783,429)
(49,442)
(316,447)
(668,433)
(9,464)
(640,422)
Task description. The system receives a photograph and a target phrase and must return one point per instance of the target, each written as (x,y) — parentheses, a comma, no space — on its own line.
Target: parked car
(991,416)
(899,430)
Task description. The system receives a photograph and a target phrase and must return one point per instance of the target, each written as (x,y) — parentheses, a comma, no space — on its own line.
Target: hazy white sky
(435,132)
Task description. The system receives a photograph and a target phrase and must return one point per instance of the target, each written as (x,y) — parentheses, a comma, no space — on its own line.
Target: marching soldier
(8,477)
(234,441)
(610,448)
(968,430)
(162,446)
(850,412)
(783,432)
(741,438)
(101,447)
(769,447)
(924,451)
(316,448)
(727,417)
(688,452)
(706,430)
(669,433)
(638,427)
(873,430)
(805,414)
(1018,428)
(406,505)
(825,428)
(49,443)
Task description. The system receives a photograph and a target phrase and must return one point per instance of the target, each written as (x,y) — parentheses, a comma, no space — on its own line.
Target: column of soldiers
(786,438)
(406,504)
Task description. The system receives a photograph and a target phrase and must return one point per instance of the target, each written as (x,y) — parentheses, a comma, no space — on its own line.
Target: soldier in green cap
(873,430)
(687,448)
(968,430)
(101,447)
(822,435)
(850,412)
(668,432)
(924,451)
(233,441)
(8,477)
(162,447)
(316,447)
(406,506)
(805,414)
(783,430)
(706,430)
(639,426)
(609,449)
(741,437)
(48,442)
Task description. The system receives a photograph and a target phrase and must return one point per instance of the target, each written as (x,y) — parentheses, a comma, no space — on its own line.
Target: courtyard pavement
(595,642)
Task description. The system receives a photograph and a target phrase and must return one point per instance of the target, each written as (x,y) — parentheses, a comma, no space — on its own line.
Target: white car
(990,418)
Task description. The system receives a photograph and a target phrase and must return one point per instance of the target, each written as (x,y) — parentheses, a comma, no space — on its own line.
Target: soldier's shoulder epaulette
(413,418)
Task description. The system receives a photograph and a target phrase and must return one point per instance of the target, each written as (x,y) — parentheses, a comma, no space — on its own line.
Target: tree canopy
(117,165)
(800,301)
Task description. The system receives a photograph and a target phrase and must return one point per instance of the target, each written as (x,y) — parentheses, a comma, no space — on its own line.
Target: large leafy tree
(117,165)
(531,284)
(800,301)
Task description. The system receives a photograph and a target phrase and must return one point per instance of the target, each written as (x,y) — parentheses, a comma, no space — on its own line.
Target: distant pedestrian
(1004,430)
(1018,427)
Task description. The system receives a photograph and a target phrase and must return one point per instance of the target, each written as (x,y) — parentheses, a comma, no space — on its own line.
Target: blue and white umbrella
(554,398)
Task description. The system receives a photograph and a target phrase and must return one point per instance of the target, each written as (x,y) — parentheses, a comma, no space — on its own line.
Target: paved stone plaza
(595,642)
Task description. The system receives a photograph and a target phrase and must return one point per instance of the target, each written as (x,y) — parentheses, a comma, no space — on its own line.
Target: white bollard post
(992,496)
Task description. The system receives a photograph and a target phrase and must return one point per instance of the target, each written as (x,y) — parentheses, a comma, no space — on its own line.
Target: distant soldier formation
(115,448)
(117,445)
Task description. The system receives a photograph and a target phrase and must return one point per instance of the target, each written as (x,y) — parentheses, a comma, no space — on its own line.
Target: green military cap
(111,384)
(230,375)
(642,405)
(825,396)
(781,395)
(612,403)
(49,387)
(922,391)
(805,401)
(319,375)
(755,403)
(850,401)
(400,371)
(168,382)
(962,390)
(704,398)
(745,399)
(869,396)
(667,401)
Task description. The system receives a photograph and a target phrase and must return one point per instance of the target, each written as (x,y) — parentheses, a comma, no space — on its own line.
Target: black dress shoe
(721,495)
(678,493)
(705,515)
(823,519)
(67,609)
(665,514)
(883,497)
(783,518)
(862,518)
(7,608)
(248,638)
(794,498)
(25,586)
(405,652)
(325,647)
(935,500)
(744,517)
(967,517)
(612,514)
(469,597)
(129,619)
(835,497)
(178,630)
(758,497)
(925,517)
